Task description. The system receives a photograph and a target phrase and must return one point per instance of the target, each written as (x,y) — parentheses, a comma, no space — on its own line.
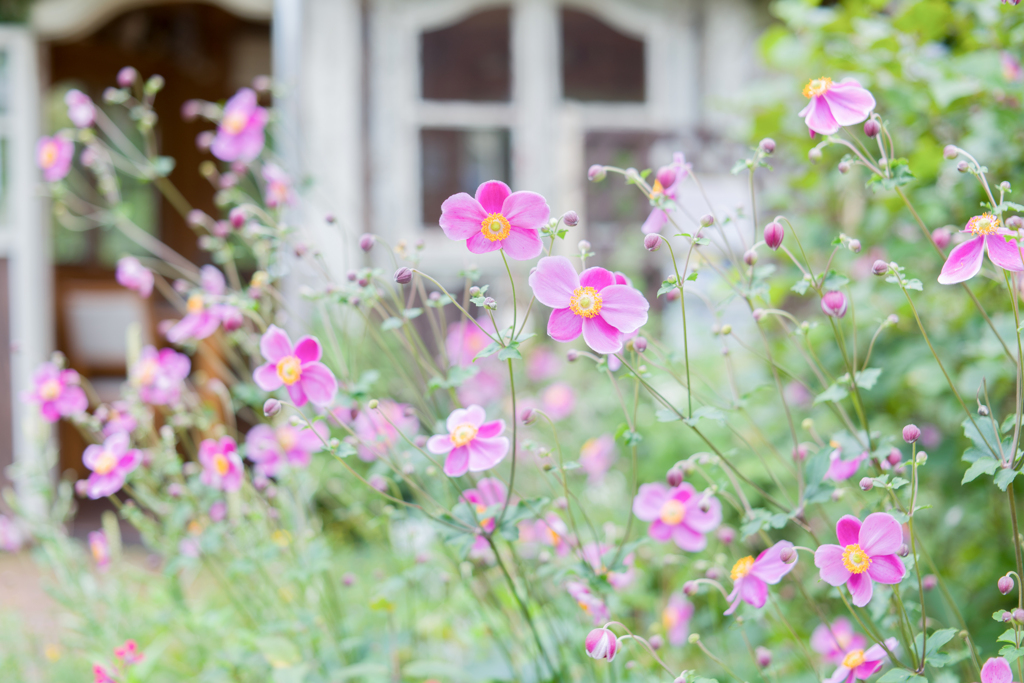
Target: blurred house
(387,107)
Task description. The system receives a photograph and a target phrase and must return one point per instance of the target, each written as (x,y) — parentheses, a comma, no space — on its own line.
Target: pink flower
(464,341)
(116,418)
(657,219)
(862,664)
(240,133)
(964,261)
(841,470)
(471,444)
(865,554)
(278,190)
(99,548)
(601,644)
(129,653)
(378,435)
(676,513)
(110,462)
(203,314)
(81,110)
(496,219)
(591,604)
(833,105)
(100,675)
(833,304)
(542,364)
(159,375)
(750,577)
(996,670)
(550,530)
(54,155)
(222,468)
(57,392)
(273,448)
(835,640)
(135,276)
(596,456)
(676,619)
(11,536)
(595,555)
(558,401)
(590,303)
(297,368)
(488,493)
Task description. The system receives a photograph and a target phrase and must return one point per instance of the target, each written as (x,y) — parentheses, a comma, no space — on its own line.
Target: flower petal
(861,587)
(461,216)
(522,244)
(887,569)
(308,350)
(440,444)
(297,395)
(564,325)
(457,462)
(849,102)
(624,308)
(489,430)
(829,559)
(769,567)
(688,539)
(598,278)
(880,534)
(848,530)
(318,384)
(266,377)
(819,118)
(553,281)
(474,415)
(996,670)
(1006,255)
(963,262)
(275,344)
(656,220)
(486,453)
(492,195)
(525,210)
(478,244)
(753,591)
(659,531)
(649,499)
(600,336)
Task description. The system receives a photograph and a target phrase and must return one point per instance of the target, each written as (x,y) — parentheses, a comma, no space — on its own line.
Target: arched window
(599,64)
(470,60)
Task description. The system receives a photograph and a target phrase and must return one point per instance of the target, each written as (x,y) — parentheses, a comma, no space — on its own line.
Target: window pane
(458,161)
(470,60)
(599,64)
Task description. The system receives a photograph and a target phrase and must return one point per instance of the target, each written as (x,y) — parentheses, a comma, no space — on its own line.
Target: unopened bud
(1015,222)
(474,291)
(983,411)
(879,267)
(674,476)
(922,458)
(866,484)
(640,344)
(690,588)
(726,330)
(758,313)
(490,304)
(788,555)
(903,550)
(1018,615)
(666,176)
(963,167)
(652,242)
(894,457)
(911,433)
(929,582)
(584,246)
(1005,584)
(767,146)
(403,275)
(571,355)
(707,220)
(694,638)
(571,218)
(750,257)
(844,166)
(366,242)
(892,319)
(271,407)
(814,155)
(528,416)
(854,246)
(763,656)
(800,453)
(597,173)
(950,151)
(672,295)
(872,128)
(773,234)
(126,76)
(941,237)
(656,642)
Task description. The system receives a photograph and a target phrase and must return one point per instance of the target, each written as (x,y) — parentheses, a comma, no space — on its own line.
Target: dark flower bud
(773,234)
(674,476)
(366,242)
(1005,584)
(941,237)
(126,76)
(963,167)
(571,218)
(652,242)
(763,656)
(872,128)
(403,275)
(879,267)
(950,152)
(911,433)
(666,176)
(767,146)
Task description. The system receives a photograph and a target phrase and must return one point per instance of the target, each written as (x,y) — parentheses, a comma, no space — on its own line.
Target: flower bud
(814,155)
(366,242)
(879,267)
(941,237)
(763,656)
(1005,584)
(788,555)
(929,582)
(652,242)
(854,246)
(154,85)
(773,234)
(672,295)
(666,176)
(767,146)
(963,167)
(190,110)
(571,218)
(894,457)
(231,319)
(922,458)
(726,535)
(640,344)
(950,151)
(844,166)
(911,433)
(1015,222)
(693,638)
(674,476)
(571,355)
(584,246)
(597,173)
(126,76)
(271,407)
(833,304)
(866,484)
(490,304)
(403,275)
(726,330)
(528,416)
(903,550)
(750,257)
(690,588)
(1007,616)
(656,642)
(872,128)
(601,644)
(1018,615)
(983,411)
(758,313)
(800,453)
(707,220)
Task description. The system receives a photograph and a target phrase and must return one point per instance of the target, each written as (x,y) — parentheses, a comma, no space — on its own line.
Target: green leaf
(667,287)
(983,435)
(665,415)
(162,166)
(1011,653)
(1005,477)
(801,286)
(899,172)
(980,467)
(411,313)
(835,281)
(392,324)
(866,378)
(488,350)
(901,676)
(705,412)
(833,393)
(692,277)
(914,284)
(510,352)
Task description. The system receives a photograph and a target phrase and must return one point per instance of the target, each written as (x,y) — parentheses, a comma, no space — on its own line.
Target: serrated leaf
(835,281)
(487,350)
(1005,477)
(510,352)
(705,412)
(801,286)
(914,284)
(867,378)
(978,468)
(667,287)
(833,393)
(901,676)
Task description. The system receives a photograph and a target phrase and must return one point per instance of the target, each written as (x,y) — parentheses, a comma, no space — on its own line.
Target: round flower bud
(666,176)
(844,166)
(596,173)
(892,319)
(773,234)
(963,167)
(854,246)
(800,453)
(271,407)
(707,220)
(879,267)
(674,476)
(694,638)
(950,151)
(758,313)
(1015,222)
(571,218)
(490,304)
(814,155)
(640,344)
(363,281)
(652,242)
(894,457)
(1005,584)
(929,582)
(866,484)
(750,257)
(941,237)
(922,458)
(584,246)
(656,642)
(1007,616)
(601,644)
(726,330)
(833,304)
(126,76)
(983,411)
(911,433)
(571,355)
(231,319)
(633,175)
(474,291)
(190,110)
(528,416)
(237,217)
(1018,615)
(767,146)
(672,295)
(366,242)
(690,588)
(763,656)
(872,128)
(726,534)
(788,555)
(903,550)
(154,85)
(403,275)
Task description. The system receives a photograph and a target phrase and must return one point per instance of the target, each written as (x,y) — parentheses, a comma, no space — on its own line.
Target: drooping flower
(677,171)
(11,536)
(496,218)
(222,468)
(833,641)
(81,110)
(833,105)
(841,470)
(278,190)
(596,456)
(203,313)
(595,554)
(240,132)
(675,513)
(298,368)
(99,548)
(866,553)
(54,155)
(558,400)
(862,664)
(160,375)
(750,577)
(601,644)
(996,670)
(274,448)
(675,618)
(964,261)
(57,392)
(590,303)
(378,435)
(110,462)
(135,276)
(471,444)
(116,417)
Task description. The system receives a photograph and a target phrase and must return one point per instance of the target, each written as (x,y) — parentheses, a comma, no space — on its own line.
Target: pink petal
(489,430)
(598,278)
(486,453)
(688,539)
(564,325)
(553,281)
(600,336)
(275,344)
(849,102)
(308,350)
(439,444)
(461,216)
(659,531)
(266,377)
(840,674)
(648,501)
(880,534)
(525,210)
(734,601)
(867,670)
(887,569)
(829,559)
(699,520)
(478,244)
(457,462)
(769,567)
(848,530)
(996,670)
(522,244)
(861,587)
(753,591)
(492,195)
(297,395)
(318,384)
(655,222)
(624,308)
(1006,255)
(474,415)
(819,119)
(963,262)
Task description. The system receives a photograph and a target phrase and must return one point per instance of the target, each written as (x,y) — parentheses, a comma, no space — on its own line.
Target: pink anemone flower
(676,619)
(595,555)
(841,470)
(111,462)
(862,664)
(964,262)
(678,170)
(866,553)
(463,342)
(134,276)
(590,303)
(488,493)
(750,577)
(274,448)
(81,110)
(596,457)
(54,155)
(550,530)
(298,368)
(591,604)
(833,641)
(160,375)
(240,132)
(278,190)
(222,467)
(677,513)
(833,105)
(99,548)
(471,444)
(379,430)
(496,219)
(203,315)
(996,670)
(116,417)
(57,392)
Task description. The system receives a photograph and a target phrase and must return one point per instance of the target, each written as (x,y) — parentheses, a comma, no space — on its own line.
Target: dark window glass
(599,64)
(458,161)
(470,60)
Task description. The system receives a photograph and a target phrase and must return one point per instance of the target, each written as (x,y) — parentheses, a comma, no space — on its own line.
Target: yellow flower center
(147,372)
(855,559)
(817,87)
(985,224)
(48,154)
(234,122)
(99,553)
(195,303)
(585,301)
(463,434)
(657,190)
(495,227)
(853,659)
(221,464)
(287,438)
(105,463)
(742,567)
(481,509)
(50,390)
(672,512)
(289,369)
(669,618)
(553,537)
